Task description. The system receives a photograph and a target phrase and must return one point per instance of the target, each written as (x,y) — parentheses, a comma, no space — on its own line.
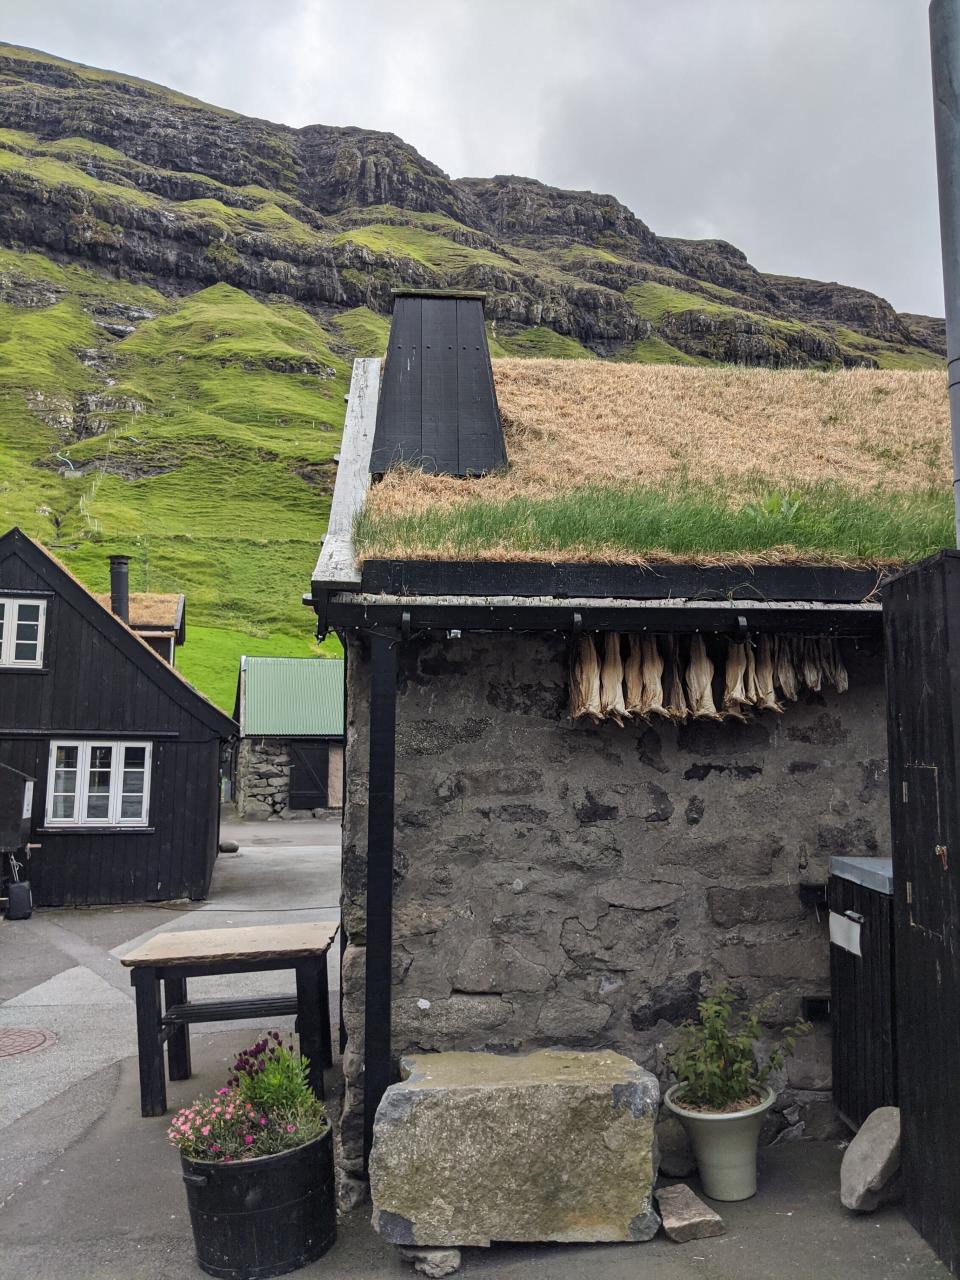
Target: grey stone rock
(872,1161)
(351,1191)
(554,1145)
(432,1262)
(229,846)
(676,1153)
(685,1216)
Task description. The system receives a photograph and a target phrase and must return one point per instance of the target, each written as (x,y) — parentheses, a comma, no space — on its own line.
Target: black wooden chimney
(438,406)
(120,586)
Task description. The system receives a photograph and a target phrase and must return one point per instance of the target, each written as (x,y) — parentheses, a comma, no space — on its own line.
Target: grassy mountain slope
(182,290)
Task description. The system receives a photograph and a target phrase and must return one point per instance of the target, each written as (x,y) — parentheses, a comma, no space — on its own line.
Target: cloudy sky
(800,130)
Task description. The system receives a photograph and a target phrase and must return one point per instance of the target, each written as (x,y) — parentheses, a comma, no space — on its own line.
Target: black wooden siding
(862,1006)
(92,686)
(921,613)
(438,407)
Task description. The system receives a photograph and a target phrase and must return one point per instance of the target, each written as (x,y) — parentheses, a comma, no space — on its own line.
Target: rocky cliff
(159,188)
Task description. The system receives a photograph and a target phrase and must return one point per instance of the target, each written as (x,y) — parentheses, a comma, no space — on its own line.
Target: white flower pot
(725,1144)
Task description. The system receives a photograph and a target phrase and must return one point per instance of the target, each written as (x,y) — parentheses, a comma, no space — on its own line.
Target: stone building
(516,878)
(289,757)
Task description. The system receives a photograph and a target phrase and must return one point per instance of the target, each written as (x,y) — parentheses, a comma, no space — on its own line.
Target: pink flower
(248,1139)
(263,1120)
(214,1147)
(205,1130)
(291,1128)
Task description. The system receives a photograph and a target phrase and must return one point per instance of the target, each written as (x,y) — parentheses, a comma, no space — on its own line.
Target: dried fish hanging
(653,680)
(677,707)
(785,668)
(766,696)
(611,681)
(734,694)
(700,682)
(652,704)
(633,677)
(585,682)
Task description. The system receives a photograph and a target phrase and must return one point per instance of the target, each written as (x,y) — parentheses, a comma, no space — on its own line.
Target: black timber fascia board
(344,613)
(131,646)
(827,584)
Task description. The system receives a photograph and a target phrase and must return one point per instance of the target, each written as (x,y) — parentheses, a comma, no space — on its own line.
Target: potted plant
(721,1096)
(257,1160)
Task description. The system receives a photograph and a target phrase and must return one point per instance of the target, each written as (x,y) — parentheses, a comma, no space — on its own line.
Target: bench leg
(153,1088)
(178,1046)
(310,1001)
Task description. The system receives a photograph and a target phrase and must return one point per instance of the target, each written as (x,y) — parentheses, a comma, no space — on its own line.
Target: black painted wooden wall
(921,610)
(100,680)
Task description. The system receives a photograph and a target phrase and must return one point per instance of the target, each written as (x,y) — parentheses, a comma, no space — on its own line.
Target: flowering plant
(266,1107)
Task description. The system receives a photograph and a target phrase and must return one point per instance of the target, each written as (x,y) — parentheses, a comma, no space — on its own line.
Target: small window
(21,632)
(99,784)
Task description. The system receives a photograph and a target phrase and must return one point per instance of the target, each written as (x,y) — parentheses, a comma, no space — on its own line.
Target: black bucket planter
(264,1217)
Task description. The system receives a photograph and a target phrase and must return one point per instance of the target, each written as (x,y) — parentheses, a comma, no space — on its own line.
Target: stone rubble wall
(560,884)
(263,780)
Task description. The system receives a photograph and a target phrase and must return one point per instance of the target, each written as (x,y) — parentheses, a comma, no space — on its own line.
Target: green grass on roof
(821,523)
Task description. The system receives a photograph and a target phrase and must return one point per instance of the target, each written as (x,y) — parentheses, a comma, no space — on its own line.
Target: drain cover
(24,1040)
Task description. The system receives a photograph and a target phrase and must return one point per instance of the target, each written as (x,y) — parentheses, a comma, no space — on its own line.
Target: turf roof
(639,464)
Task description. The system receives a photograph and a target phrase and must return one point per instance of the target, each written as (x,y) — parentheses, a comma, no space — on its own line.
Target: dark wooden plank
(439,447)
(178,1043)
(153,1088)
(481,436)
(922,648)
(310,1015)
(378,1062)
(397,437)
(617,581)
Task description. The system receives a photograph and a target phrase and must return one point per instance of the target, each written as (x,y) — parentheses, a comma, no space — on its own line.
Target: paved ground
(90,1190)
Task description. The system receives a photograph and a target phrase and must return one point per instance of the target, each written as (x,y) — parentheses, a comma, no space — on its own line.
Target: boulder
(871,1163)
(554,1145)
(229,846)
(685,1216)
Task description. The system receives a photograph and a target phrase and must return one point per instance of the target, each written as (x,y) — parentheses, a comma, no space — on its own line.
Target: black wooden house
(125,753)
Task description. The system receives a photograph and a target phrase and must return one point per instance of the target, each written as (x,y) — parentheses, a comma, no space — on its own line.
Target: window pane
(63,806)
(135,757)
(131,806)
(98,782)
(133,782)
(25,651)
(28,613)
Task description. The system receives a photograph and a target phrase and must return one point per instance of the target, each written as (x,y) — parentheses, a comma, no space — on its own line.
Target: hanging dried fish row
(622,678)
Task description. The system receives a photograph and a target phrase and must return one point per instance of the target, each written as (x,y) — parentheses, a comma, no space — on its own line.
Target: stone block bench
(556,1145)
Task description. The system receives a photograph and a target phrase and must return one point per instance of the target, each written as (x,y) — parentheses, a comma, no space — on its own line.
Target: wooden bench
(171,958)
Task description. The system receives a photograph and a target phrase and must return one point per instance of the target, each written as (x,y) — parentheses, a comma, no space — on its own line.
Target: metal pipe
(120,586)
(945,63)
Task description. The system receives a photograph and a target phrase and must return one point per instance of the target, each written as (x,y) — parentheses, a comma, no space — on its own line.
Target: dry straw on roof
(576,423)
(149,608)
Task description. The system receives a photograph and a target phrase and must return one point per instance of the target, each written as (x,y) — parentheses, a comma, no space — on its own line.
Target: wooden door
(922,648)
(308,775)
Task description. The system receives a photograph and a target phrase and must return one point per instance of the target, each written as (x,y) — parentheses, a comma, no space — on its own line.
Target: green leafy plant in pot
(721,1096)
(257,1161)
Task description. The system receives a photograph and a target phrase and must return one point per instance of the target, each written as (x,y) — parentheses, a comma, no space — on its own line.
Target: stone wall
(559,884)
(263,779)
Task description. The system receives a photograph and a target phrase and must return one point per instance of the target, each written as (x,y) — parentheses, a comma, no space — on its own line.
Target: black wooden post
(313,1007)
(377,1063)
(178,1046)
(153,1086)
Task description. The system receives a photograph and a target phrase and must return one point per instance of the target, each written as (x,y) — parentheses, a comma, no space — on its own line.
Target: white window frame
(11,616)
(84,747)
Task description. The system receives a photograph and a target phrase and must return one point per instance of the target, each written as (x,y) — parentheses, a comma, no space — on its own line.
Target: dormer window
(22,623)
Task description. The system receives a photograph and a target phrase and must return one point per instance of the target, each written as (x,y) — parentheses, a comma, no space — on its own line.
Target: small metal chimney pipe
(120,586)
(945,62)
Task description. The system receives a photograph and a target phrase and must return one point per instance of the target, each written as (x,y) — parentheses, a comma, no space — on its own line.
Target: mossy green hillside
(210,462)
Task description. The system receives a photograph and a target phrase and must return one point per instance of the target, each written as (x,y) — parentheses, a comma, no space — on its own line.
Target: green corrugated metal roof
(292,697)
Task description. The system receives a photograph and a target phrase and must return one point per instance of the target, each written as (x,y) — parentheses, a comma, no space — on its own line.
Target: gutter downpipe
(945,65)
